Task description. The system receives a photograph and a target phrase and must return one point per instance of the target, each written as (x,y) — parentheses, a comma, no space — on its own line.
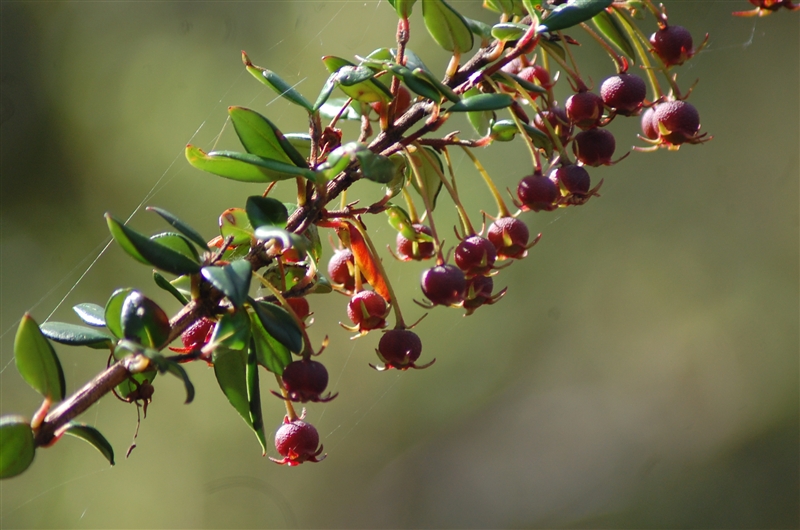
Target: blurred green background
(642,371)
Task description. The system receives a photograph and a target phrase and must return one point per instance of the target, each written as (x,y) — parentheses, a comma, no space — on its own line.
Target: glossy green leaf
(571,14)
(143,249)
(178,243)
(190,233)
(37,361)
(276,83)
(144,322)
(403,7)
(234,222)
(333,108)
(505,7)
(300,141)
(553,47)
(230,368)
(17,447)
(365,91)
(232,331)
(171,289)
(482,102)
(261,137)
(508,31)
(113,311)
(165,365)
(254,398)
(400,221)
(374,167)
(183,284)
(612,29)
(510,79)
(266,211)
(481,29)
(278,323)
(505,130)
(93,437)
(352,75)
(74,335)
(270,353)
(325,92)
(480,120)
(447,27)
(91,314)
(232,279)
(431,182)
(446,91)
(244,167)
(288,239)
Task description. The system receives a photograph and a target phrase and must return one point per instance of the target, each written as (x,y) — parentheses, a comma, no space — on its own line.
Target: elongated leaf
(232,279)
(234,222)
(571,14)
(483,102)
(261,137)
(17,447)
(270,353)
(612,30)
(505,77)
(374,167)
(325,93)
(333,108)
(74,335)
(178,371)
(93,437)
(143,321)
(368,91)
(150,252)
(480,120)
(553,47)
(230,368)
(171,289)
(232,331)
(508,31)
(403,7)
(191,234)
(92,314)
(431,182)
(113,311)
(446,91)
(279,324)
(300,141)
(288,239)
(266,211)
(481,29)
(178,243)
(400,221)
(447,27)
(37,362)
(276,83)
(244,167)
(254,398)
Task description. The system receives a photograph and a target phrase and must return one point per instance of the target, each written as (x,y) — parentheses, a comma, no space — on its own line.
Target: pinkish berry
(412,250)
(585,109)
(367,310)
(306,381)
(649,125)
(624,93)
(679,118)
(341,269)
(297,442)
(672,44)
(510,237)
(537,193)
(594,147)
(399,348)
(475,255)
(536,74)
(575,179)
(300,307)
(558,120)
(444,285)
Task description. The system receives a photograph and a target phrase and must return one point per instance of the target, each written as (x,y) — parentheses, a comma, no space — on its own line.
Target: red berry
(537,193)
(558,120)
(196,335)
(403,102)
(624,93)
(367,310)
(585,109)
(649,125)
(299,306)
(594,147)
(478,293)
(297,442)
(679,118)
(475,255)
(399,349)
(510,237)
(444,285)
(306,381)
(536,74)
(672,44)
(413,250)
(341,269)
(575,179)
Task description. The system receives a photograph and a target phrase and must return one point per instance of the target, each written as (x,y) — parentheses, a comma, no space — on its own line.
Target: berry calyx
(594,147)
(367,310)
(475,255)
(510,237)
(537,192)
(400,349)
(296,441)
(585,109)
(672,44)
(444,285)
(304,381)
(408,250)
(624,93)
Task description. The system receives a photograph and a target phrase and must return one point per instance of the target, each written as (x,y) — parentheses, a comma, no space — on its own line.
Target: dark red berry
(594,147)
(679,119)
(575,179)
(558,120)
(367,310)
(444,284)
(306,381)
(585,109)
(475,255)
(624,93)
(478,293)
(297,442)
(402,102)
(415,250)
(510,237)
(299,306)
(341,269)
(196,335)
(399,349)
(649,125)
(537,193)
(672,44)
(538,75)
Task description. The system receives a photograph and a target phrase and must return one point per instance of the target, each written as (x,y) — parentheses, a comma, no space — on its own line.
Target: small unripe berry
(585,109)
(510,237)
(594,147)
(367,310)
(444,284)
(475,255)
(672,44)
(537,193)
(624,93)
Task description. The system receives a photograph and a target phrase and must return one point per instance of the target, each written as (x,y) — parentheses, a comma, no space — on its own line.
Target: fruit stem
(290,412)
(638,37)
(621,64)
(501,205)
(308,351)
(427,202)
(451,188)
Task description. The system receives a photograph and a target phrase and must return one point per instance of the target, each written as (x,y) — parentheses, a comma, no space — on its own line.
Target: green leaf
(509,79)
(230,368)
(553,48)
(149,252)
(244,167)
(178,243)
(37,361)
(74,335)
(505,130)
(483,102)
(113,311)
(571,14)
(481,29)
(17,447)
(267,211)
(446,91)
(288,239)
(234,222)
(374,167)
(143,321)
(274,81)
(403,7)
(167,286)
(365,91)
(505,7)
(232,331)
(92,436)
(480,120)
(300,141)
(261,137)
(178,371)
(430,177)
(232,279)
(270,353)
(325,93)
(505,31)
(333,107)
(401,221)
(279,324)
(254,398)
(612,30)
(92,314)
(192,234)
(447,27)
